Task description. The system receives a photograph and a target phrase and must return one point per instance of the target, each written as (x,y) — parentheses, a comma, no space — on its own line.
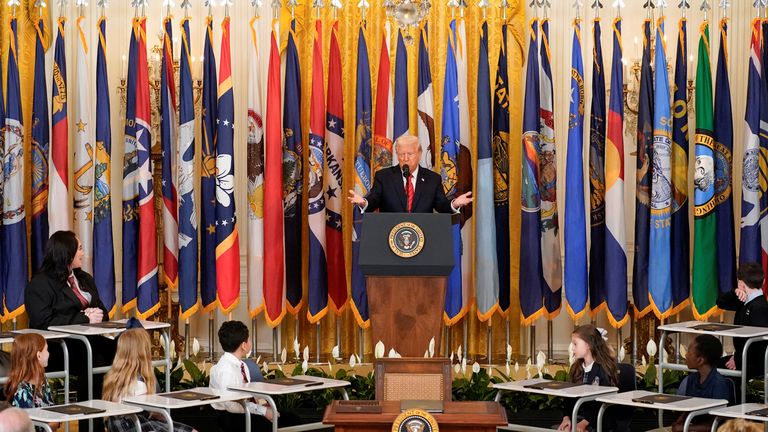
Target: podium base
(406,312)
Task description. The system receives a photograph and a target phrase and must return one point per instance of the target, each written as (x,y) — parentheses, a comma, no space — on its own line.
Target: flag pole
(274,344)
(489,343)
(361,343)
(254,336)
(186,338)
(317,342)
(210,337)
(338,335)
(550,341)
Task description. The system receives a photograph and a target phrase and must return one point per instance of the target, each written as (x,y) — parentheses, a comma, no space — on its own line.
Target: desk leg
(691,416)
(749,342)
(346,396)
(165,413)
(600,415)
(715,423)
(43,425)
(88,368)
(244,403)
(272,405)
(576,406)
(662,344)
(498,394)
(136,422)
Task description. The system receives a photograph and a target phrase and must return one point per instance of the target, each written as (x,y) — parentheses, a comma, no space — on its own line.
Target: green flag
(705,289)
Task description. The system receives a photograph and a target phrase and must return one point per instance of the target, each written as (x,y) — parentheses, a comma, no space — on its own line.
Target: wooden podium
(406,258)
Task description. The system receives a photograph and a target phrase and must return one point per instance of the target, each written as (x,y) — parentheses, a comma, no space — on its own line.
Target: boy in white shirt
(231,371)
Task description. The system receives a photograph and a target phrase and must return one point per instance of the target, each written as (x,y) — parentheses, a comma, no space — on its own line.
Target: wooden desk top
(482,414)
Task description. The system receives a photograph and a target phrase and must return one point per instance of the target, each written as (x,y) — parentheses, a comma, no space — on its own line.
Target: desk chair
(413,379)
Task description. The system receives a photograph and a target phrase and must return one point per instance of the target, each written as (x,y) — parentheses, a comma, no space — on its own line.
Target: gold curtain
(438,20)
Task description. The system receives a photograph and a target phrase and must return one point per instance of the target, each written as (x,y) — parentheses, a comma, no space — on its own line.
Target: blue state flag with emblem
(749,245)
(531,276)
(14,217)
(726,236)
(208,176)
(292,175)
(659,271)
(644,152)
(400,121)
(500,156)
(130,252)
(103,248)
(362,174)
(40,150)
(450,171)
(597,176)
(575,282)
(188,301)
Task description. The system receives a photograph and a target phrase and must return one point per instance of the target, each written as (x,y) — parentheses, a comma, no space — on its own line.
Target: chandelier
(407,13)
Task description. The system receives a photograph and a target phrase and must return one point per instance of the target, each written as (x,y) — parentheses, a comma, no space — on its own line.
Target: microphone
(406,171)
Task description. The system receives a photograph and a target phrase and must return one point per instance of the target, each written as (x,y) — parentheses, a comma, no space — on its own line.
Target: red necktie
(242,371)
(73,285)
(409,192)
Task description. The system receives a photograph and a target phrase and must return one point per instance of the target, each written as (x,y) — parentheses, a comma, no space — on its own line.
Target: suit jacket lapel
(421,182)
(69,293)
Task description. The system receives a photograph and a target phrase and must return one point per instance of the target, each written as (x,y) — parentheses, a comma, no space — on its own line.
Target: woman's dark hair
(601,352)
(60,250)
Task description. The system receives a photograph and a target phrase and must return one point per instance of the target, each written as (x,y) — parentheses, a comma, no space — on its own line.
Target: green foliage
(649,380)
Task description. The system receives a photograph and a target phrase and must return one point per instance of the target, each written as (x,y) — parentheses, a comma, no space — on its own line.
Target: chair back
(413,379)
(627,381)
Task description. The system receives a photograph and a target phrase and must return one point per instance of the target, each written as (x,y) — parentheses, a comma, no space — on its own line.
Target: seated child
(132,375)
(596,365)
(703,354)
(231,370)
(27,386)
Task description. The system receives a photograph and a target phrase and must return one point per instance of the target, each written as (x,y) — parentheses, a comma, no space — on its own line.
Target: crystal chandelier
(407,13)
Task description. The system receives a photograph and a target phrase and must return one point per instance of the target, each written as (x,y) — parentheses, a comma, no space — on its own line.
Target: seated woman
(27,386)
(60,293)
(132,375)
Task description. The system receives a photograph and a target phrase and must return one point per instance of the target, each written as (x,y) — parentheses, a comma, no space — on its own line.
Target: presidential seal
(406,239)
(415,420)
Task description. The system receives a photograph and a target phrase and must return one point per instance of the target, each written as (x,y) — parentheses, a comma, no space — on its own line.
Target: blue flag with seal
(531,277)
(292,175)
(659,271)
(576,284)
(450,171)
(726,236)
(680,236)
(40,150)
(487,270)
(500,157)
(103,250)
(362,174)
(14,216)
(130,184)
(208,176)
(188,301)
(597,176)
(640,296)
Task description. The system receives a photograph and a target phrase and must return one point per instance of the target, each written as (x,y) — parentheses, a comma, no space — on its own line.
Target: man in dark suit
(751,309)
(407,187)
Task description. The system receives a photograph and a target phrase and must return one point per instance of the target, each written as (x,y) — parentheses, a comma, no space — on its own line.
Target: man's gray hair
(408,139)
(15,420)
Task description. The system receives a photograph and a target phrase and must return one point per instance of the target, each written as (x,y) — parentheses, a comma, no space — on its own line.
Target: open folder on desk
(553,385)
(660,398)
(713,327)
(760,413)
(74,409)
(187,395)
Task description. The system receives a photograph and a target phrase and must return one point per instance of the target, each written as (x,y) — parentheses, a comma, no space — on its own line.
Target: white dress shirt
(86,295)
(227,373)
